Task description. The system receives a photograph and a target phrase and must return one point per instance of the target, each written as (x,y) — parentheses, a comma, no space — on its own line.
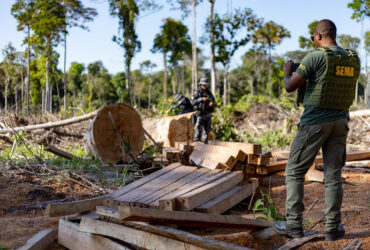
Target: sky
(96,44)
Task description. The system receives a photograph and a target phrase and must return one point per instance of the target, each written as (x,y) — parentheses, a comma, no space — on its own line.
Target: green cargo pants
(309,139)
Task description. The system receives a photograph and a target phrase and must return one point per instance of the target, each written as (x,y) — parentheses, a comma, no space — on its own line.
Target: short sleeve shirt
(311,68)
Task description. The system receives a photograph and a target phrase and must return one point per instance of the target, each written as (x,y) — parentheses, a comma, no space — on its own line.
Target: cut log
(171,129)
(105,144)
(245,147)
(112,215)
(70,237)
(39,241)
(59,209)
(139,238)
(208,192)
(50,124)
(229,199)
(189,218)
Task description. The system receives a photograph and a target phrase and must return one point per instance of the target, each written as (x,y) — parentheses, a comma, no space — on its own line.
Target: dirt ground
(16,226)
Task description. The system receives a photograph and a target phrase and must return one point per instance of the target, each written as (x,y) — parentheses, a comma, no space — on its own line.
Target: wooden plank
(127,213)
(258,159)
(155,184)
(134,185)
(175,185)
(300,241)
(66,208)
(139,238)
(209,160)
(40,241)
(160,161)
(261,170)
(250,169)
(239,166)
(229,199)
(208,192)
(220,150)
(246,147)
(204,242)
(168,201)
(70,237)
(277,166)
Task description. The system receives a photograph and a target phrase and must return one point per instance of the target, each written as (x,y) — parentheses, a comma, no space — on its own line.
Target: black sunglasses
(313,36)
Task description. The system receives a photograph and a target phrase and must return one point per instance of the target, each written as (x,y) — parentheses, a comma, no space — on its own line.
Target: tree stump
(103,141)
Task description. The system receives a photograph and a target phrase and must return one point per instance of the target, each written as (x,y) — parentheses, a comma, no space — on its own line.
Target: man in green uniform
(328,76)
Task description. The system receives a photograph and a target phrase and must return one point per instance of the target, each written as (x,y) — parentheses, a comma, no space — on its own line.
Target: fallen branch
(50,124)
(61,153)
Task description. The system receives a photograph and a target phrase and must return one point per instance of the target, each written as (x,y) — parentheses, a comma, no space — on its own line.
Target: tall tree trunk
(177,68)
(251,85)
(43,100)
(165,94)
(270,80)
(183,77)
(212,40)
(16,98)
(128,82)
(47,82)
(28,72)
(64,72)
(194,76)
(22,92)
(225,88)
(150,92)
(6,94)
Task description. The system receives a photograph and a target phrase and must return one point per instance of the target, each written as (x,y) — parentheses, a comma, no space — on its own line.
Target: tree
(212,42)
(75,79)
(228,38)
(270,35)
(48,23)
(305,42)
(75,16)
(10,55)
(147,67)
(22,10)
(367,46)
(127,12)
(349,42)
(185,7)
(361,9)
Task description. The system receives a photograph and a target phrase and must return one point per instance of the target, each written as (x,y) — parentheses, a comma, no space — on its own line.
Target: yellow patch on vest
(345,71)
(302,67)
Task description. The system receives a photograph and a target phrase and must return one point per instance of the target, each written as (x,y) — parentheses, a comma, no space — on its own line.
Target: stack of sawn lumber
(129,228)
(234,156)
(185,188)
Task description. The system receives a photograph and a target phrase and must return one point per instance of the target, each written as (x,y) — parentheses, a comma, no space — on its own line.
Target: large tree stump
(102,139)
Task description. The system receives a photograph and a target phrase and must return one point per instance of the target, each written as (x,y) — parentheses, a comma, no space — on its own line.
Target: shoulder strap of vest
(326,50)
(352,52)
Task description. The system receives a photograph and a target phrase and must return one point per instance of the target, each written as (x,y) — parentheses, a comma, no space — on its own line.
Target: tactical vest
(336,87)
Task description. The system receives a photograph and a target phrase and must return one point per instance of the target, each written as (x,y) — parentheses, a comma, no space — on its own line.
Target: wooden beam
(315,175)
(214,149)
(134,185)
(258,159)
(70,237)
(139,238)
(211,160)
(245,147)
(40,241)
(66,208)
(208,192)
(276,166)
(168,202)
(127,213)
(300,241)
(204,242)
(229,199)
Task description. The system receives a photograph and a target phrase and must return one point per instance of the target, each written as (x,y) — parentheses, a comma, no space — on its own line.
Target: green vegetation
(266,205)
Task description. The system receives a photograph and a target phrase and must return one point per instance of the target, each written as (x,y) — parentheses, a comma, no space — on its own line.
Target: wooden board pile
(185,188)
(235,156)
